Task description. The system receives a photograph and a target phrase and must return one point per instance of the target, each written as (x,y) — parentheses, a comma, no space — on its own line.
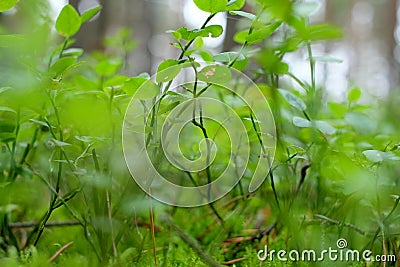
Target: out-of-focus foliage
(335,172)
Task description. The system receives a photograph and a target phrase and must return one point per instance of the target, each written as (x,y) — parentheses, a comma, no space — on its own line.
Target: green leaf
(108,67)
(337,109)
(374,155)
(293,100)
(240,65)
(305,9)
(169,107)
(228,57)
(379,156)
(2,108)
(243,14)
(187,35)
(60,143)
(41,123)
(272,63)
(84,83)
(321,32)
(213,31)
(235,4)
(87,15)
(116,81)
(7,120)
(61,65)
(168,70)
(141,88)
(7,125)
(133,85)
(206,56)
(144,75)
(302,123)
(240,37)
(7,4)
(6,137)
(322,126)
(212,6)
(68,22)
(280,9)
(354,94)
(325,127)
(263,33)
(215,74)
(147,90)
(176,34)
(72,52)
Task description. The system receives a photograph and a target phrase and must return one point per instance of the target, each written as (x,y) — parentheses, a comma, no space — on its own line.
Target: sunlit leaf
(322,32)
(168,70)
(354,94)
(72,52)
(235,4)
(212,6)
(141,88)
(215,74)
(240,37)
(7,4)
(87,15)
(206,56)
(261,34)
(61,65)
(68,22)
(187,35)
(243,14)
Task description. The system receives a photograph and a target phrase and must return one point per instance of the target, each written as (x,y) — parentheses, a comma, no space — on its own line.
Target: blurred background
(367,57)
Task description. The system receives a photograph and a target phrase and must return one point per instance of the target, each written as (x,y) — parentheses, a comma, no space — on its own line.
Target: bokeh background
(369,54)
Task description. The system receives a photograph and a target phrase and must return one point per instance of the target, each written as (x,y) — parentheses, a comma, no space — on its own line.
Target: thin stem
(312,66)
(152,229)
(264,153)
(297,80)
(41,225)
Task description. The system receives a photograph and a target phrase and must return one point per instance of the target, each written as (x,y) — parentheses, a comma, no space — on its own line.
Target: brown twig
(231,262)
(61,250)
(18,225)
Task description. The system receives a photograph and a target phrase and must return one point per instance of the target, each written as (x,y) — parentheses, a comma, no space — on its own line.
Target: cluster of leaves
(61,112)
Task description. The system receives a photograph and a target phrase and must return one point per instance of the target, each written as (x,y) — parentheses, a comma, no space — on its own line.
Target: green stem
(38,231)
(312,66)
